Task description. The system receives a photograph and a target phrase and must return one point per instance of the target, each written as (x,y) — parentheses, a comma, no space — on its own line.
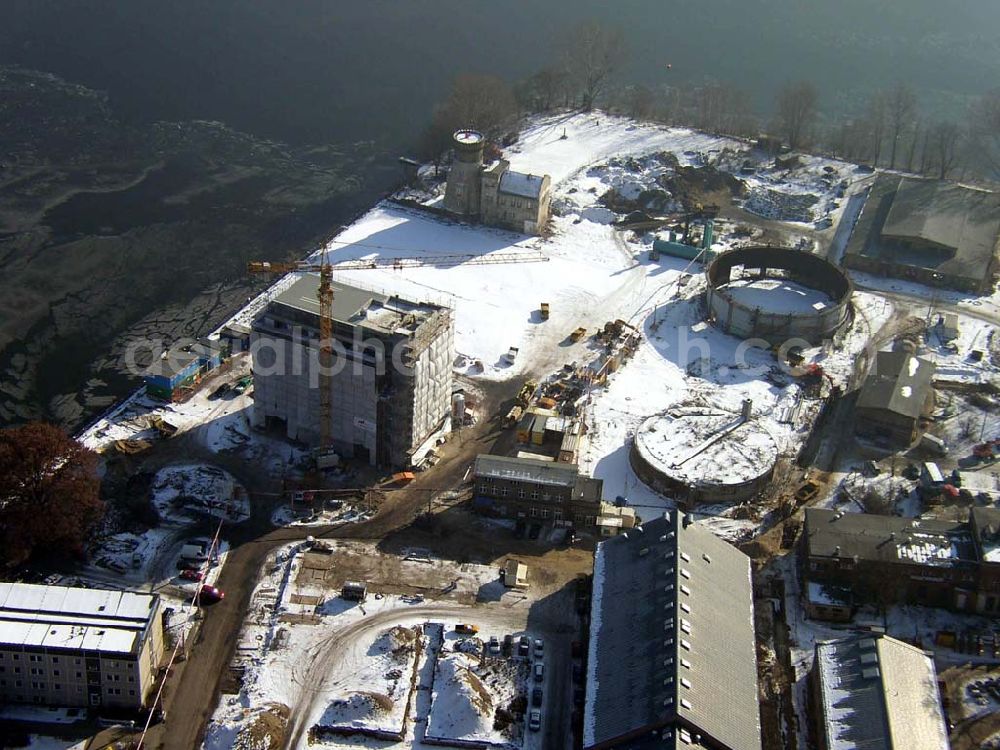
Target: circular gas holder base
(777,294)
(704,454)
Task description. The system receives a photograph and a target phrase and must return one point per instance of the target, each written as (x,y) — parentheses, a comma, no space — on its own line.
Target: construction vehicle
(511,354)
(162,426)
(526,392)
(545,310)
(513,416)
(325,296)
(578,334)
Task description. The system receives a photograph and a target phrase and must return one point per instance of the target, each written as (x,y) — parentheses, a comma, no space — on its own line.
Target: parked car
(535,720)
(466,628)
(539,648)
(508,644)
(191,574)
(210,595)
(539,672)
(536,697)
(493,647)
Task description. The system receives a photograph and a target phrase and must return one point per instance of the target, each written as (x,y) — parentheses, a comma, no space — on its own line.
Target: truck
(578,334)
(512,354)
(545,310)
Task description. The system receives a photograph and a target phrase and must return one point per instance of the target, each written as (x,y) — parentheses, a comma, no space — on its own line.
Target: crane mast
(325,296)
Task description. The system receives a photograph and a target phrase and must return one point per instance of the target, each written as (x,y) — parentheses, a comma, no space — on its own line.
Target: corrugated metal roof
(878,693)
(526,469)
(73,618)
(672,638)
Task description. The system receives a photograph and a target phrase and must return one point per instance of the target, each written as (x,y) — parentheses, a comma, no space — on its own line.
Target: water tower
(462,192)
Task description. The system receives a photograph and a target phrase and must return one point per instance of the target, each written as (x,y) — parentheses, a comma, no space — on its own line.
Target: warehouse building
(493,193)
(872,691)
(672,654)
(896,394)
(391,379)
(78,647)
(931,231)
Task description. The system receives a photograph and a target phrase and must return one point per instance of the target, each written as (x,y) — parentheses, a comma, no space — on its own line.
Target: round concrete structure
(468,145)
(701,454)
(782,294)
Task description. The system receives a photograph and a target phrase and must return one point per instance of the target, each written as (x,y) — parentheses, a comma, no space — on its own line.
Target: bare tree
(944,137)
(545,90)
(594,52)
(985,132)
(901,106)
(914,140)
(796,112)
(483,102)
(875,118)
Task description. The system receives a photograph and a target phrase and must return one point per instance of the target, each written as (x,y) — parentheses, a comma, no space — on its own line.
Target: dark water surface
(336,70)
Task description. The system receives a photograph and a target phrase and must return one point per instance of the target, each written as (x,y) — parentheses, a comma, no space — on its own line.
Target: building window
(534,512)
(79,675)
(55,672)
(503,492)
(534,495)
(545,512)
(57,686)
(520,493)
(55,659)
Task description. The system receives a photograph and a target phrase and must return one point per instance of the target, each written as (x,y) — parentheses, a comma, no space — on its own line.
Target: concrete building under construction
(390,379)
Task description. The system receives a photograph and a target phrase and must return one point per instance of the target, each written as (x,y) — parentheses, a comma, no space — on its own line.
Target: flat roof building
(531,488)
(935,232)
(78,647)
(873,692)
(391,376)
(672,657)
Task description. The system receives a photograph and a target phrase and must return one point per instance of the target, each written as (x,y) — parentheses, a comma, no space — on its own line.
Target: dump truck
(578,334)
(512,354)
(545,310)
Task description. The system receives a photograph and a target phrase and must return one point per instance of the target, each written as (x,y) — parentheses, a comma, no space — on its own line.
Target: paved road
(192,692)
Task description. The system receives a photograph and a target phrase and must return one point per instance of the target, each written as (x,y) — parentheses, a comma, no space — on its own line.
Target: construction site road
(191,693)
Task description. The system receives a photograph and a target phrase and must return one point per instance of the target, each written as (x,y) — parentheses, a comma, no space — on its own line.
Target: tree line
(890,131)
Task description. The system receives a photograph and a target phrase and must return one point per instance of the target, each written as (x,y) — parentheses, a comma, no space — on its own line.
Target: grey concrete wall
(747,322)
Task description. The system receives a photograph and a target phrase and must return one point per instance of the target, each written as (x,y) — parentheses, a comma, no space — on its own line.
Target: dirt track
(191,694)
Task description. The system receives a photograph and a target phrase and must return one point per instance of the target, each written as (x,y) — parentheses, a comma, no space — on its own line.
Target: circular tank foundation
(701,454)
(777,294)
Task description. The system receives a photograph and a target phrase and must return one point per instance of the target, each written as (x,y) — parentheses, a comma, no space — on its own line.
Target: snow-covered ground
(467,694)
(305,648)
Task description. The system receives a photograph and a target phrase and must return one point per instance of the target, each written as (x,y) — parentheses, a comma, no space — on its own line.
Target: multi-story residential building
(78,647)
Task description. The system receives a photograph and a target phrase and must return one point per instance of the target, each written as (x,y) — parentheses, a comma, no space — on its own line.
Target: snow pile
(471,700)
(181,493)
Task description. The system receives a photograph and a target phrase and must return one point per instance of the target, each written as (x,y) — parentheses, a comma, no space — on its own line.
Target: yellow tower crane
(325,296)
